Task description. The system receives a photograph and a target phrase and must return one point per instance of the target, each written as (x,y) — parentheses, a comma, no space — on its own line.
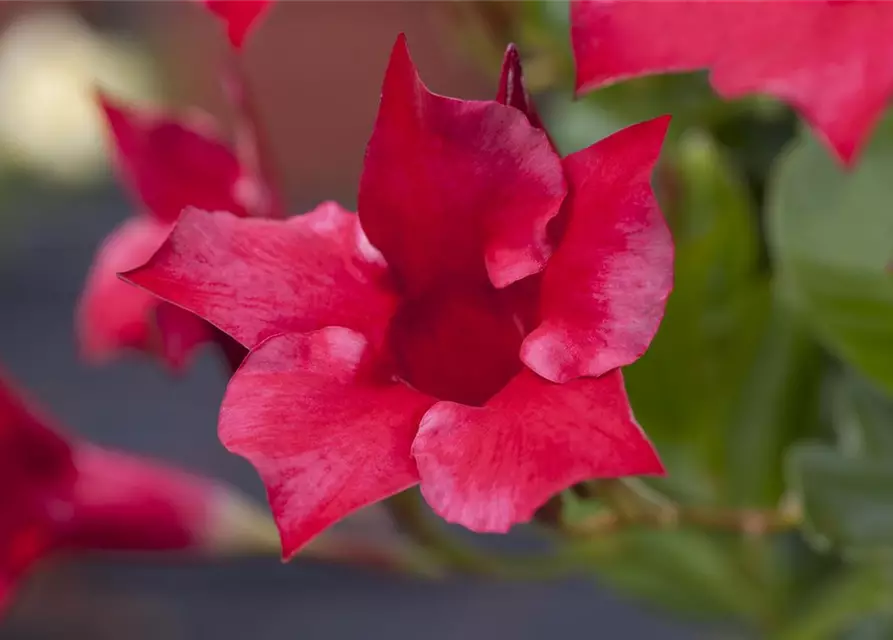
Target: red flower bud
(60,495)
(239,16)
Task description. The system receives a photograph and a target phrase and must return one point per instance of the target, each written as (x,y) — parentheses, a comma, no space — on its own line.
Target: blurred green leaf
(779,403)
(844,599)
(863,419)
(575,125)
(847,502)
(686,571)
(693,572)
(556,13)
(847,495)
(875,627)
(686,386)
(831,233)
(688,97)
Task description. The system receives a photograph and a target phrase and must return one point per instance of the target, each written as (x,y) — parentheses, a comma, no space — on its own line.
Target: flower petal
(36,468)
(123,501)
(455,190)
(458,344)
(491,467)
(605,290)
(31,452)
(512,90)
(180,334)
(172,165)
(327,434)
(255,278)
(113,315)
(239,16)
(827,59)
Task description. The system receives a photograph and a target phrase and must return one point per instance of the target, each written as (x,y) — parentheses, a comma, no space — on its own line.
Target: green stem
(633,504)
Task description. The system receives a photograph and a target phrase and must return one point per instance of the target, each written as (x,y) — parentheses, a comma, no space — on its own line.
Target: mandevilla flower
(239,16)
(827,58)
(465,330)
(73,496)
(170,165)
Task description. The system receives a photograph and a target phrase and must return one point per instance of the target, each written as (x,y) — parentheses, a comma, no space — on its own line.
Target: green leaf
(575,125)
(685,387)
(874,627)
(778,404)
(686,571)
(863,418)
(831,234)
(847,502)
(842,601)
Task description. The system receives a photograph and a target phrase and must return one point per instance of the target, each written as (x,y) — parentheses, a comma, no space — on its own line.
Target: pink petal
(36,473)
(455,190)
(172,165)
(828,59)
(31,452)
(255,278)
(239,16)
(458,344)
(512,90)
(180,334)
(327,433)
(605,289)
(492,467)
(125,502)
(113,315)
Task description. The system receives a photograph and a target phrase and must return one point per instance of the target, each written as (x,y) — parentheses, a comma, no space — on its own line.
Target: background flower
(239,16)
(73,496)
(170,165)
(825,58)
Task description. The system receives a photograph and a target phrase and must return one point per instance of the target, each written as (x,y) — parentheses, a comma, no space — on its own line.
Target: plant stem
(633,504)
(252,143)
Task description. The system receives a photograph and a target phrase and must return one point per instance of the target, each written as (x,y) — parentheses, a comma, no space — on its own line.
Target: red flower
(170,165)
(239,16)
(71,496)
(475,348)
(827,58)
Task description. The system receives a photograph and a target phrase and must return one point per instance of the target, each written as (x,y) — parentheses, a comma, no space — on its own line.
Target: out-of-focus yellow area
(51,62)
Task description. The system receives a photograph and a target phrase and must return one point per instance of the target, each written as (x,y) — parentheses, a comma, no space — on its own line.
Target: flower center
(457,345)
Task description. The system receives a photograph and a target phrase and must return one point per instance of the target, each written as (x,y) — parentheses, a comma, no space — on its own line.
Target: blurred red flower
(465,330)
(826,58)
(61,495)
(239,16)
(169,165)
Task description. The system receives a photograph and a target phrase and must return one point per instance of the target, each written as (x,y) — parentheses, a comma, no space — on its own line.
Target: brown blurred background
(316,69)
